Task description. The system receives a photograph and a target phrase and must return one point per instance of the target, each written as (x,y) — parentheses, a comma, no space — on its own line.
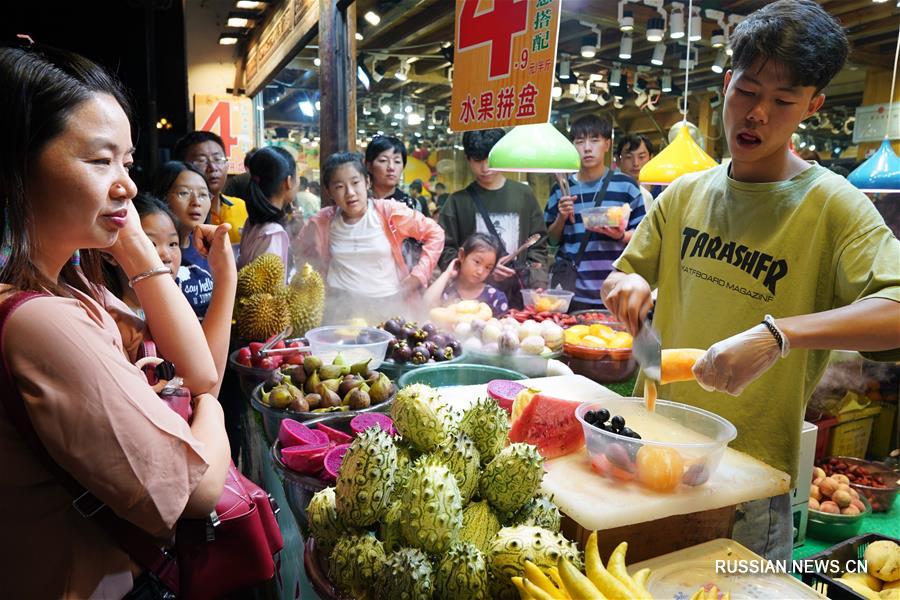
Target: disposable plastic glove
(732,364)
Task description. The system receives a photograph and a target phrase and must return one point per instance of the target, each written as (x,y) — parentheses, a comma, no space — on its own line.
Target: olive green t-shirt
(724,253)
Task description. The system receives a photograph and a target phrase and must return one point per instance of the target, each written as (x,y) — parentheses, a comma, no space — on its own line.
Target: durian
(262,316)
(265,275)
(306,300)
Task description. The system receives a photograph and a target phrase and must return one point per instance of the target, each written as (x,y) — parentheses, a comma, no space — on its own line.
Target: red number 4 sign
(497,27)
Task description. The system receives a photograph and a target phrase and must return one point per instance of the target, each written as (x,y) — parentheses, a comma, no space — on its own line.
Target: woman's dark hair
(591,125)
(338,160)
(477,144)
(43,87)
(184,143)
(631,142)
(479,242)
(382,143)
(798,34)
(269,167)
(166,175)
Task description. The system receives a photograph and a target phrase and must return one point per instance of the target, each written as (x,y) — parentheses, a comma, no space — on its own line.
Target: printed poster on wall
(872,123)
(504,61)
(230,117)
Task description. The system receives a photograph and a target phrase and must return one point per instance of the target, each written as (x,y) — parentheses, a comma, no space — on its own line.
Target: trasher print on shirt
(507,226)
(761,266)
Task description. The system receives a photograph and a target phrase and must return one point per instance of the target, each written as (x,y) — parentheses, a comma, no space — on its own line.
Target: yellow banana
(602,579)
(523,593)
(536,592)
(616,566)
(577,585)
(538,578)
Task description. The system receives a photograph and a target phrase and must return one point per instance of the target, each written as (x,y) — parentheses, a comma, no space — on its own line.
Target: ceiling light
(615,78)
(414,119)
(696,25)
(318,106)
(359,36)
(399,116)
(564,69)
(655,29)
(557,92)
(812,147)
(802,125)
(363,77)
(393,123)
(676,21)
(729,50)
(588,49)
(626,21)
(625,46)
(249,4)
(228,39)
(385,109)
(718,38)
(306,107)
(407,109)
(719,65)
(317,61)
(402,73)
(372,17)
(659,53)
(665,83)
(238,21)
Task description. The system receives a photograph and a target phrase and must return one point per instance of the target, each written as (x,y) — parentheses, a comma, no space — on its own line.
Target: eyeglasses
(202,162)
(185,195)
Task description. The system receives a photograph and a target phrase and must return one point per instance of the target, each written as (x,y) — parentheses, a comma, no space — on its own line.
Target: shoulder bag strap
(487,219)
(589,234)
(138,544)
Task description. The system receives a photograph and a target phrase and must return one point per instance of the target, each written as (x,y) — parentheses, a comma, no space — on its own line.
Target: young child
(465,277)
(769,261)
(161,226)
(356,244)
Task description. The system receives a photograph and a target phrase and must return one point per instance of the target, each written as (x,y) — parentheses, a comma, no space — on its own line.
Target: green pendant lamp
(537,148)
(683,155)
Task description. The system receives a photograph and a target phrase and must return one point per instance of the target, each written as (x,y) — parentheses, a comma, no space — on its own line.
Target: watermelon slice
(294,433)
(363,421)
(333,460)
(338,437)
(504,392)
(550,424)
(307,459)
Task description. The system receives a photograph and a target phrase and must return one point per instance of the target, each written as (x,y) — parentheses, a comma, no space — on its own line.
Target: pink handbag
(230,551)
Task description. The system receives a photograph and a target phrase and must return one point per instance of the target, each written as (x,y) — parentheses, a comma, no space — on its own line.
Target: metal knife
(647,349)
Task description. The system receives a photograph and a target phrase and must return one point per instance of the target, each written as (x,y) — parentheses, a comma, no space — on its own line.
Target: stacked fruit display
(877,484)
(444,510)
(463,311)
(249,356)
(598,336)
(833,494)
(316,387)
(265,305)
(881,581)
(419,345)
(509,337)
(531,313)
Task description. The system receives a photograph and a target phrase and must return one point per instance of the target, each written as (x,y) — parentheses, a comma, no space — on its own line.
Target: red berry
(279,345)
(267,363)
(244,353)
(255,347)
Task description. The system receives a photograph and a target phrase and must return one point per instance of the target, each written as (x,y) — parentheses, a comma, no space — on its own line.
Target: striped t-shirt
(602,250)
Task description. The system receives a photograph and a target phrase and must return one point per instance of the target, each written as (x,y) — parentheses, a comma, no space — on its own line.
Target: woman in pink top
(356,245)
(273,183)
(66,154)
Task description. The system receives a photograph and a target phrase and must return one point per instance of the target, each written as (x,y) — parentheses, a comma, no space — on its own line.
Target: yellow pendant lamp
(683,155)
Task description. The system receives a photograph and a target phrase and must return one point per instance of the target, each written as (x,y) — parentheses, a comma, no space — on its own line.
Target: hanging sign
(872,123)
(503,63)
(231,118)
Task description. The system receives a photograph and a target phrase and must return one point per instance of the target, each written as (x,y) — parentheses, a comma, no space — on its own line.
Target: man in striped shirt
(591,135)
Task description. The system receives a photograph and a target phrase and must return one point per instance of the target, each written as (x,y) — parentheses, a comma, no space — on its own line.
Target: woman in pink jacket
(357,246)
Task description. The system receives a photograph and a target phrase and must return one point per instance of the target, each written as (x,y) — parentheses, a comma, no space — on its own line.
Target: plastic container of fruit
(836,527)
(548,300)
(605,369)
(298,488)
(444,375)
(606,216)
(591,353)
(272,417)
(249,377)
(531,365)
(591,316)
(679,445)
(356,344)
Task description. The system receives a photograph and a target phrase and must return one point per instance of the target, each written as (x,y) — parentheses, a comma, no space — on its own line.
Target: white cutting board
(595,502)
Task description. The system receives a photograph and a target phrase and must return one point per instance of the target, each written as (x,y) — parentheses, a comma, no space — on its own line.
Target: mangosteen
(420,355)
(429,330)
(447,353)
(457,347)
(407,332)
(431,347)
(393,326)
(403,353)
(440,340)
(419,335)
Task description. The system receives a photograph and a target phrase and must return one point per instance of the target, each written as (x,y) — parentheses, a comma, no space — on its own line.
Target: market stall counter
(652,523)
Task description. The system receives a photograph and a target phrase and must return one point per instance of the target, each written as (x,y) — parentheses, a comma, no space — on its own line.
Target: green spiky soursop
(461,574)
(512,478)
(480,525)
(324,524)
(463,460)
(488,426)
(421,417)
(540,511)
(512,546)
(433,508)
(407,575)
(366,480)
(355,565)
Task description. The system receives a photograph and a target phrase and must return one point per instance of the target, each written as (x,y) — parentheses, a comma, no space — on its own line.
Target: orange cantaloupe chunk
(677,364)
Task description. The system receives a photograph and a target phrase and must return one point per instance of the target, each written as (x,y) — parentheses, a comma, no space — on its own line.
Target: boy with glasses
(206,151)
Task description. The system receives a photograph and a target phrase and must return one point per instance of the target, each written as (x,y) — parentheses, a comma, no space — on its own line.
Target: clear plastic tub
(548,300)
(356,344)
(606,216)
(680,445)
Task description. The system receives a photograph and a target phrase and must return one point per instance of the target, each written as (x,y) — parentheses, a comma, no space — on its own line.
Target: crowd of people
(778,249)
